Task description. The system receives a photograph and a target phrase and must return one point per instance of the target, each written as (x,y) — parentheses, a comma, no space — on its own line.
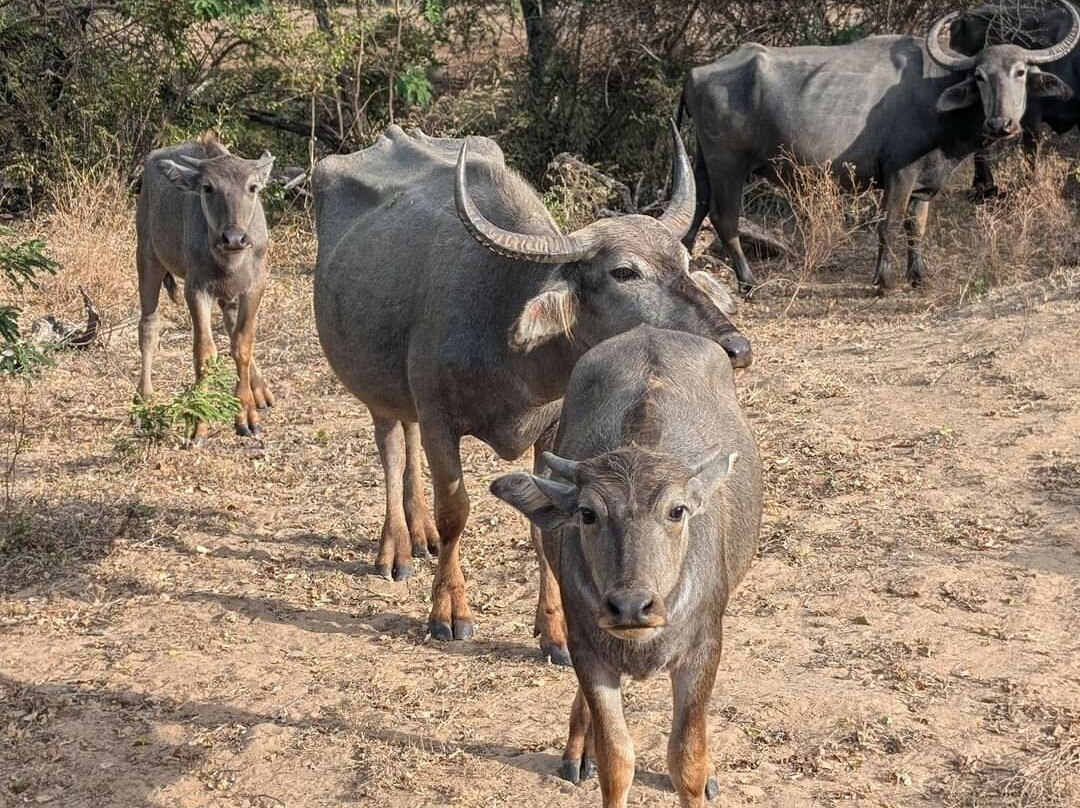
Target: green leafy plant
(210,400)
(22,262)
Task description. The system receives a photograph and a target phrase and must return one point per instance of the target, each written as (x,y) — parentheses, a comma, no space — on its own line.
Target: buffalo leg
(395,552)
(916,233)
(614,749)
(688,747)
(983,183)
(203,351)
(242,345)
(727,189)
(549,624)
(578,760)
(898,190)
(151,275)
(701,209)
(422,532)
(259,390)
(451,618)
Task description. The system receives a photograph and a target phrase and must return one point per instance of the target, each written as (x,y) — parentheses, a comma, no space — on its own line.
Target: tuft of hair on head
(212,145)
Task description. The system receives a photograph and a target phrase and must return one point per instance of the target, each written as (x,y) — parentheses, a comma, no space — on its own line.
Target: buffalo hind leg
(550,623)
(579,757)
(395,553)
(916,233)
(203,351)
(451,618)
(701,209)
(898,190)
(688,746)
(422,532)
(727,189)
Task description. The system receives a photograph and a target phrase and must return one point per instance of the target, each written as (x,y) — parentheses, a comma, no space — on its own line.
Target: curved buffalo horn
(946,57)
(545,249)
(679,214)
(567,469)
(1058,51)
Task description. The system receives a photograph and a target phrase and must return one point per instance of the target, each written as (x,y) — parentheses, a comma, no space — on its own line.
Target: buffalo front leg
(395,553)
(982,185)
(578,760)
(422,531)
(550,623)
(451,618)
(688,747)
(242,343)
(260,392)
(614,749)
(204,350)
(151,276)
(916,234)
(898,190)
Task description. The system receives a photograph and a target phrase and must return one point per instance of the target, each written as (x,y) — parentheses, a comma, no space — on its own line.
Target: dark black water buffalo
(876,111)
(649,524)
(1030,26)
(446,296)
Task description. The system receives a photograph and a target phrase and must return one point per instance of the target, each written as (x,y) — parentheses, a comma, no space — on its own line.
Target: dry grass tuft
(1025,235)
(1052,780)
(90,230)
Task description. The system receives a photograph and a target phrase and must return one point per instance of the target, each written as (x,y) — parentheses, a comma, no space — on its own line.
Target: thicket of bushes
(87,83)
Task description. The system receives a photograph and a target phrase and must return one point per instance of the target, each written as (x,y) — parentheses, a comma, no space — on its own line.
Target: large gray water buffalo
(877,111)
(446,296)
(649,523)
(199,218)
(1029,25)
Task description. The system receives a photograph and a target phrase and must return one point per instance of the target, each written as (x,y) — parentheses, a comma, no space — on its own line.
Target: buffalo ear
(958,96)
(186,178)
(708,476)
(547,504)
(1047,85)
(263,168)
(550,314)
(717,292)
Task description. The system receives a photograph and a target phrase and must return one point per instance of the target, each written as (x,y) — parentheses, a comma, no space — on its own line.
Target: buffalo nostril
(738,350)
(629,606)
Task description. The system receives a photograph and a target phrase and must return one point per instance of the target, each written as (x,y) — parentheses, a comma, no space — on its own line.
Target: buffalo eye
(207,188)
(253,188)
(624,274)
(677,513)
(980,77)
(588,516)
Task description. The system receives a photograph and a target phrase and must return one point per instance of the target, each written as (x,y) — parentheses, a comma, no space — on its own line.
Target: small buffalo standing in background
(199,218)
(648,531)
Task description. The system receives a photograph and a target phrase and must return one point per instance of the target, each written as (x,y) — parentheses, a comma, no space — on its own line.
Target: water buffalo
(1029,26)
(649,524)
(199,218)
(877,111)
(446,297)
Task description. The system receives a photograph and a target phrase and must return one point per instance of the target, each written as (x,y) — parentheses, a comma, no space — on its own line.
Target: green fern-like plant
(22,263)
(210,400)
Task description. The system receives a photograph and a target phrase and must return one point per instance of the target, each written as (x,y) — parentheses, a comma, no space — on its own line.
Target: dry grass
(1052,780)
(1025,235)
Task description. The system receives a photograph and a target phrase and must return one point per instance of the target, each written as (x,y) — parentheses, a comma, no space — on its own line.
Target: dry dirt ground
(200,628)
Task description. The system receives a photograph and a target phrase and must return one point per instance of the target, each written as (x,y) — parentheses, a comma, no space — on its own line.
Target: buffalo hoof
(570,770)
(556,654)
(403,573)
(383,571)
(712,789)
(256,430)
(588,768)
(440,631)
(420,551)
(196,442)
(243,431)
(464,629)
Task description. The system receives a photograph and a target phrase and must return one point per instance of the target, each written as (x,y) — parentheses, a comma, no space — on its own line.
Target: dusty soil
(201,628)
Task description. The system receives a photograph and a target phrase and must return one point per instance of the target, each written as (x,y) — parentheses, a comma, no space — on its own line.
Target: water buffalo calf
(199,218)
(649,522)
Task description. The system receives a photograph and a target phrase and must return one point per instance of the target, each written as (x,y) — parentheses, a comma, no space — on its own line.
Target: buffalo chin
(640,634)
